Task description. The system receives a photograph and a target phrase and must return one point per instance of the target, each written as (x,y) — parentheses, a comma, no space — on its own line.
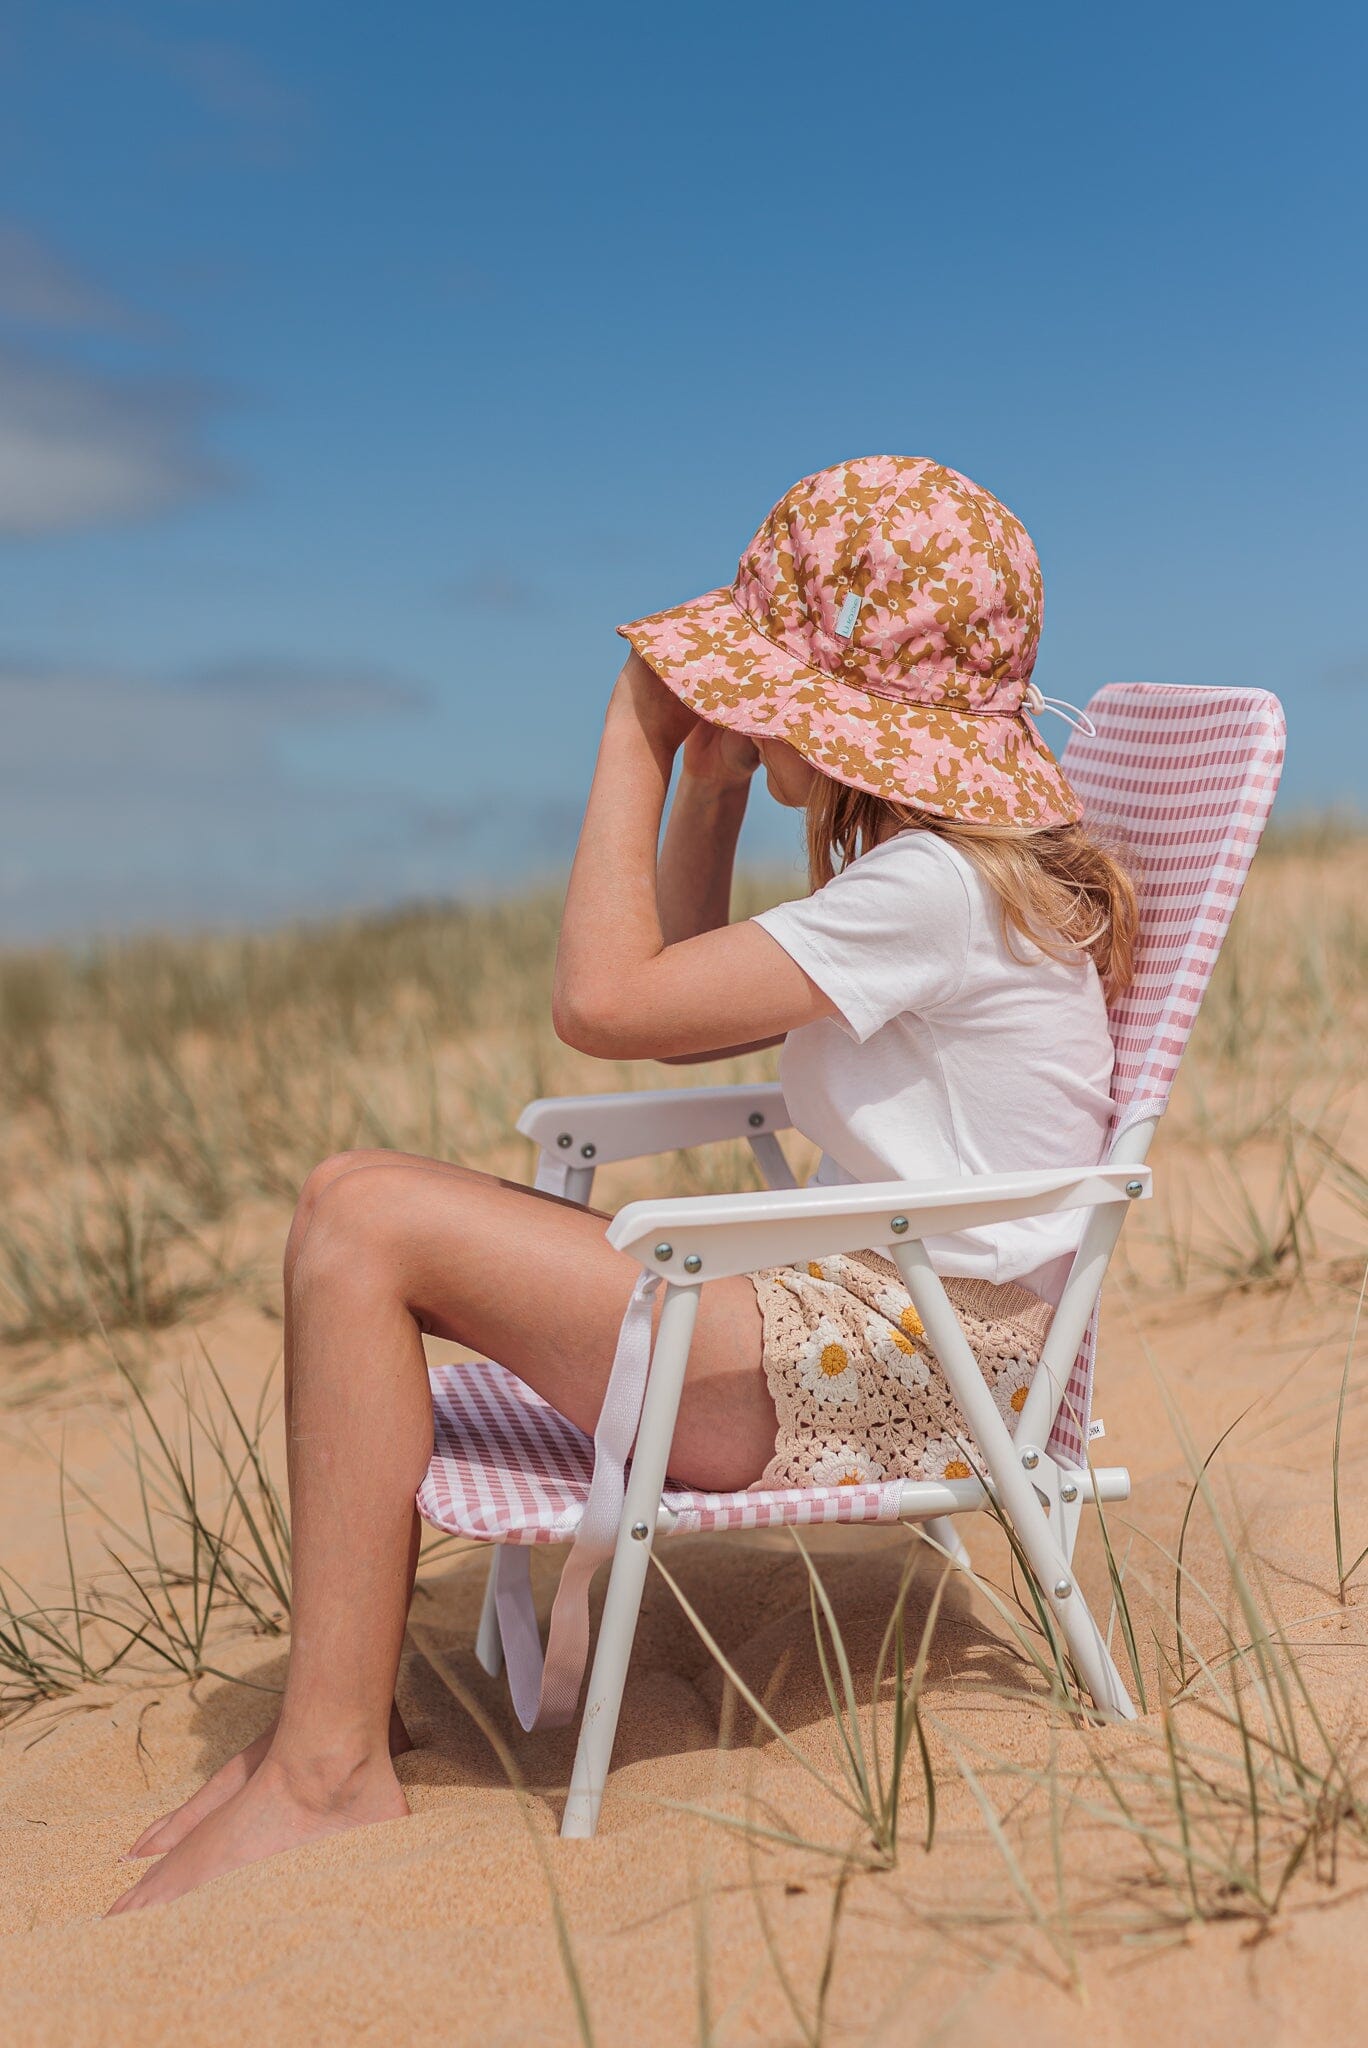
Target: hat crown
(902,577)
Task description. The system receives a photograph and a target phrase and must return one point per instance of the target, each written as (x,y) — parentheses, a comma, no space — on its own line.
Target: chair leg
(631,1559)
(1016,1493)
(1070,1513)
(488,1642)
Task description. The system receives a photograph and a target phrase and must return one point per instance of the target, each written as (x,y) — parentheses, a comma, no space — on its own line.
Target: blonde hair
(1059,888)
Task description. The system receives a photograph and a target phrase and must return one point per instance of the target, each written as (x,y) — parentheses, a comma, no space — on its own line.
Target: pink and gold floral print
(884,621)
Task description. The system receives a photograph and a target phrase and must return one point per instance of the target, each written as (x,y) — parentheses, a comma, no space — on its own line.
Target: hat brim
(975,768)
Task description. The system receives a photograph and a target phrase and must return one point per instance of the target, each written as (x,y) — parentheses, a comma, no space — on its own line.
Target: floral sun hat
(884,621)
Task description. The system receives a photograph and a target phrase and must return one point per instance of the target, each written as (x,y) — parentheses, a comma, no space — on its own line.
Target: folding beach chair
(1185,777)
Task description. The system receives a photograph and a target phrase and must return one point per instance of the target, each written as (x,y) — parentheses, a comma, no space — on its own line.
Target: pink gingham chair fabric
(509,1468)
(1184,778)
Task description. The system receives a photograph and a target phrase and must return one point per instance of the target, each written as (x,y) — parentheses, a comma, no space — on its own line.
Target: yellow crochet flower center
(957,1469)
(911,1322)
(834,1360)
(904,1344)
(814,1269)
(1019,1400)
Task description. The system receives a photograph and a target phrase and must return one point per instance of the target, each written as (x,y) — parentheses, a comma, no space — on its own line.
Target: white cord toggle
(1037,701)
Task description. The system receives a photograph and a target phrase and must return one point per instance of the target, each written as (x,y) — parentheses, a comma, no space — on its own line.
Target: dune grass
(206,1554)
(151,1091)
(154,1094)
(1232,1787)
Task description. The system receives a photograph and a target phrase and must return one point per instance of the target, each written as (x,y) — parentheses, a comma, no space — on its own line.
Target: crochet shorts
(859,1392)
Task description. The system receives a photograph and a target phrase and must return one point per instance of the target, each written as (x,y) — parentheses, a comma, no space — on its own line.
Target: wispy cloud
(69,727)
(250,109)
(80,447)
(40,288)
(130,800)
(291,686)
(496,587)
(546,826)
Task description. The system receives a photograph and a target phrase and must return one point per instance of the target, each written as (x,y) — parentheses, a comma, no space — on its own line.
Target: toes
(127,1902)
(143,1846)
(170,1829)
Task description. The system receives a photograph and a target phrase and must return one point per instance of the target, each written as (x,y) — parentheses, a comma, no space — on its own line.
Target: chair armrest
(743,1233)
(636,1123)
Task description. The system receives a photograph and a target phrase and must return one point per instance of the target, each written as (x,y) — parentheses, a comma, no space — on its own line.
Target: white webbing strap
(546,1688)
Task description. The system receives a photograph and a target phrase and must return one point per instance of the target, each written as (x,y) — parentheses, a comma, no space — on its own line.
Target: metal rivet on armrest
(1134,1188)
(663,1252)
(898,1223)
(693,1264)
(588,1151)
(639,1532)
(565,1140)
(755,1119)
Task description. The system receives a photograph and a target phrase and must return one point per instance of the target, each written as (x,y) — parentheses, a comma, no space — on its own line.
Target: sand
(440,1928)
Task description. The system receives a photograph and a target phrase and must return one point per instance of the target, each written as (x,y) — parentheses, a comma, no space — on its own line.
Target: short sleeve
(889,934)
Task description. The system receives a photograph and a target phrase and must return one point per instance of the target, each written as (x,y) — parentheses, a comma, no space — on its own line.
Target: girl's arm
(695,881)
(622,992)
(694,886)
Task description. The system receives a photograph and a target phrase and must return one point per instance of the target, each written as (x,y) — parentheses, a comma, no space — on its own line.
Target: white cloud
(293,685)
(128,802)
(80,448)
(496,587)
(38,288)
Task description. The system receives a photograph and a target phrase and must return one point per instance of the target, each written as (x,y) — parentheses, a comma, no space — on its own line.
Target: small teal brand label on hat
(847,615)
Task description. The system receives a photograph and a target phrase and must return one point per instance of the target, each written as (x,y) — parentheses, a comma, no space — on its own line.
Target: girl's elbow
(568,1020)
(588,1022)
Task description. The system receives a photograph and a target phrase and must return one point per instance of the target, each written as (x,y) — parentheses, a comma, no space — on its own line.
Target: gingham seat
(1185,778)
(509,1468)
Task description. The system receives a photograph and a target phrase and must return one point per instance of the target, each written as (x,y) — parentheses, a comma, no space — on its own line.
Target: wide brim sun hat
(884,621)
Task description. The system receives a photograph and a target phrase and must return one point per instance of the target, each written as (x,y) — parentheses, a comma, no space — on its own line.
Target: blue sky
(361,367)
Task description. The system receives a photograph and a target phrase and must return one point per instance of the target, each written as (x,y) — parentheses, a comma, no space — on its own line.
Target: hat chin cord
(1036,701)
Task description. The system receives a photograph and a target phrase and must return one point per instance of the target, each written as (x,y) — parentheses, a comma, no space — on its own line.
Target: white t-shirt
(953,1051)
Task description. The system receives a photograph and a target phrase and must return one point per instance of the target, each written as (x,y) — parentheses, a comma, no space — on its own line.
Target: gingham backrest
(1184,778)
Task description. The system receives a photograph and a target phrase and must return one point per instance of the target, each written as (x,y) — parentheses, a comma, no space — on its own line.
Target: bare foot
(278,1808)
(164,1834)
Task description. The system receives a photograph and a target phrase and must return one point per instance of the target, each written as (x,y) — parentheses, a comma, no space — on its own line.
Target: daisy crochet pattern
(859,1392)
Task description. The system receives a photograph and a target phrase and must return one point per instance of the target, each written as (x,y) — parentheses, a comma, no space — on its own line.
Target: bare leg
(231,1776)
(391,1250)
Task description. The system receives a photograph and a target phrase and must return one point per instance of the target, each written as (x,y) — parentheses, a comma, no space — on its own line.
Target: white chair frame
(689,1240)
(1190,775)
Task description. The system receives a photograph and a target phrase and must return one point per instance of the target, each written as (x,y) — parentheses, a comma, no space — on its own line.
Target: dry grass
(150,1091)
(154,1094)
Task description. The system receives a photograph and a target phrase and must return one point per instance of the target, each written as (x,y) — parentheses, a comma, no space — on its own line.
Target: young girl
(940,1001)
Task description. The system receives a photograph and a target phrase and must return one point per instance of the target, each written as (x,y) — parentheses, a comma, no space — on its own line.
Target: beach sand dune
(1080,1886)
(440,1928)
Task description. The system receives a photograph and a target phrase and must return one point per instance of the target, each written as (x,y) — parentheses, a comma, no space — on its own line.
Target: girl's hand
(639,694)
(719,758)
